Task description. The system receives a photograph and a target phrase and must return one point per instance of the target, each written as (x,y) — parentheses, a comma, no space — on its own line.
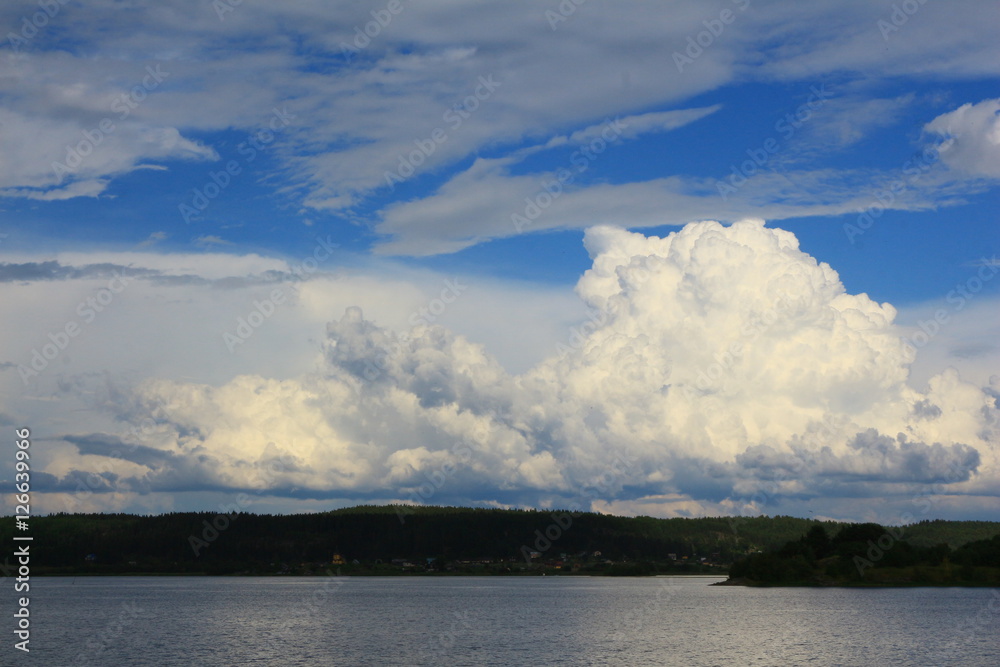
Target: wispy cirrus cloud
(356,115)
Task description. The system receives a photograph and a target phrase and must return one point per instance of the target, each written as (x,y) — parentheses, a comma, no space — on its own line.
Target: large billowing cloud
(721,370)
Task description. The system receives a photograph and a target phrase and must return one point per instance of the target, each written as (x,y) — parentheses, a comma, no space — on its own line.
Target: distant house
(338,560)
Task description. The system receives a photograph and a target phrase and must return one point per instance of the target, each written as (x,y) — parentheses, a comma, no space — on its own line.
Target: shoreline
(757,584)
(379,575)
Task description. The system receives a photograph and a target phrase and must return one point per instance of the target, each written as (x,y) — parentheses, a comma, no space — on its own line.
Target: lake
(497,621)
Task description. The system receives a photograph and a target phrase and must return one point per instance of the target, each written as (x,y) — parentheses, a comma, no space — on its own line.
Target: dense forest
(401,539)
(870,554)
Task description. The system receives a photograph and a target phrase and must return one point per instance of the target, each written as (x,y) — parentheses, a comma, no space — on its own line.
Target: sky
(690,258)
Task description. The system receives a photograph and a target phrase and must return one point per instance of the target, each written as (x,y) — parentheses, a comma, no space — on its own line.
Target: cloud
(152,239)
(849,119)
(964,331)
(71,151)
(970,138)
(714,362)
(871,457)
(631,127)
(357,116)
(54,270)
(487,201)
(211,240)
(615,129)
(82,188)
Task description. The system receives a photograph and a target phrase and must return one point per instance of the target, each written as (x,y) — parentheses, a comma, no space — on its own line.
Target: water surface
(268,621)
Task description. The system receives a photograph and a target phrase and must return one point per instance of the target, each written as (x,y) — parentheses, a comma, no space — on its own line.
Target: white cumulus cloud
(715,362)
(971,138)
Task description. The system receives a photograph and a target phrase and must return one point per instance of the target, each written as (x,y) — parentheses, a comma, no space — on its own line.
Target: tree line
(870,554)
(369,536)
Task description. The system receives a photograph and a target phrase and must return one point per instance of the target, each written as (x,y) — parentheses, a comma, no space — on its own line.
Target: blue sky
(210,152)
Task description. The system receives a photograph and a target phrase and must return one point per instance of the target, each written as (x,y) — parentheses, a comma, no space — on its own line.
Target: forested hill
(868,554)
(392,539)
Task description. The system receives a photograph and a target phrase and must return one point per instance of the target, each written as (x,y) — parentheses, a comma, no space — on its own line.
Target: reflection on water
(499,621)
